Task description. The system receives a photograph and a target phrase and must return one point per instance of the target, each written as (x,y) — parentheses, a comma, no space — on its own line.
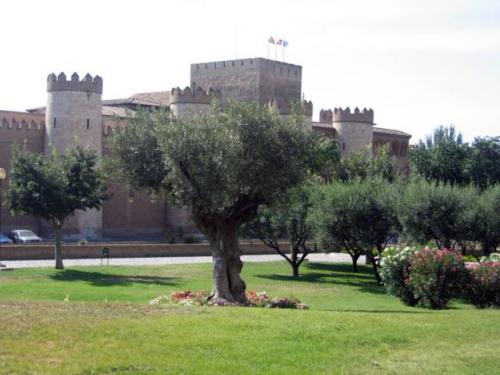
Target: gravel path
(320,257)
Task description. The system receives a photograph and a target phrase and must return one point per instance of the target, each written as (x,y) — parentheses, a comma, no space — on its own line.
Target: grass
(96,320)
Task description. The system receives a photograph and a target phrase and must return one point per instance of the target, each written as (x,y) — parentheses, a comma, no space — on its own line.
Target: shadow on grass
(334,274)
(103,279)
(414,311)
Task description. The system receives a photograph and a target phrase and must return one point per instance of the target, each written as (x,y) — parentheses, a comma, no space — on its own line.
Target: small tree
(285,219)
(223,166)
(54,188)
(358,217)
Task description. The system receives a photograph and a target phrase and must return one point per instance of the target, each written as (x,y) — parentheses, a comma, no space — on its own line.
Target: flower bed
(254,299)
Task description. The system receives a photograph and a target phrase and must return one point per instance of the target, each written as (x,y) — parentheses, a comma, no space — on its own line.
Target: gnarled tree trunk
(228,285)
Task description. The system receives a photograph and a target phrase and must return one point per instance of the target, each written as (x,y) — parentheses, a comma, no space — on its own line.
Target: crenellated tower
(74,117)
(192,99)
(354,128)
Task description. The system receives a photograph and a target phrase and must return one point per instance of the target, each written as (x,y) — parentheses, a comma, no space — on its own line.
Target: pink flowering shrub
(483,284)
(435,276)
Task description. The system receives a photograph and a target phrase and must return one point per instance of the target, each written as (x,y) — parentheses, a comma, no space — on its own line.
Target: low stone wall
(120,250)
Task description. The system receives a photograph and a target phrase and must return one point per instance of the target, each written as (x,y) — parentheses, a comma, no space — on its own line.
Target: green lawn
(96,320)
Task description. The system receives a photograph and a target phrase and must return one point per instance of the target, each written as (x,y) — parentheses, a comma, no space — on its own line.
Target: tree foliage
(363,165)
(222,166)
(432,211)
(446,158)
(53,188)
(485,161)
(442,157)
(486,219)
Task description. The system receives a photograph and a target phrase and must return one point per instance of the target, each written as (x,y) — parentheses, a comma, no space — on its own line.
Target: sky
(418,64)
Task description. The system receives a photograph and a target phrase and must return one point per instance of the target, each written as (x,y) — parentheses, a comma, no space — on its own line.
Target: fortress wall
(124,216)
(27,131)
(280,81)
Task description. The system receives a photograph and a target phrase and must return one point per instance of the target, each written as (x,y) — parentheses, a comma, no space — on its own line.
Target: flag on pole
(285,43)
(271,40)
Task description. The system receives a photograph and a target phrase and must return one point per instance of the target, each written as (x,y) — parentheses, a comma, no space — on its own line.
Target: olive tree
(432,211)
(53,188)
(223,166)
(358,217)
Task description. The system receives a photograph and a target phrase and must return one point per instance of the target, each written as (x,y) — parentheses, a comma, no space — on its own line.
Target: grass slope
(106,327)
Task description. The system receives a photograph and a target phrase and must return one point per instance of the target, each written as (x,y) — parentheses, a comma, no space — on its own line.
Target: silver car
(24,236)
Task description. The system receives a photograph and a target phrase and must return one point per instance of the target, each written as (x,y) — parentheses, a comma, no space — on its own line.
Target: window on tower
(55,122)
(88,124)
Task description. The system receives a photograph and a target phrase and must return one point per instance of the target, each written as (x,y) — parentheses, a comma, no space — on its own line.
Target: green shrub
(483,286)
(396,271)
(435,276)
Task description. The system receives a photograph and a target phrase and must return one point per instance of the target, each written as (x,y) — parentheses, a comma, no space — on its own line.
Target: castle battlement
(308,108)
(87,84)
(21,121)
(265,64)
(193,95)
(326,116)
(345,115)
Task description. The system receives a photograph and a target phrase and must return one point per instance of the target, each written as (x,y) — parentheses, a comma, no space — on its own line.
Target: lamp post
(2,177)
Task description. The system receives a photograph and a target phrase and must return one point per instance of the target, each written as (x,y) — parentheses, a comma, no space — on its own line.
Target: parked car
(4,239)
(24,236)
